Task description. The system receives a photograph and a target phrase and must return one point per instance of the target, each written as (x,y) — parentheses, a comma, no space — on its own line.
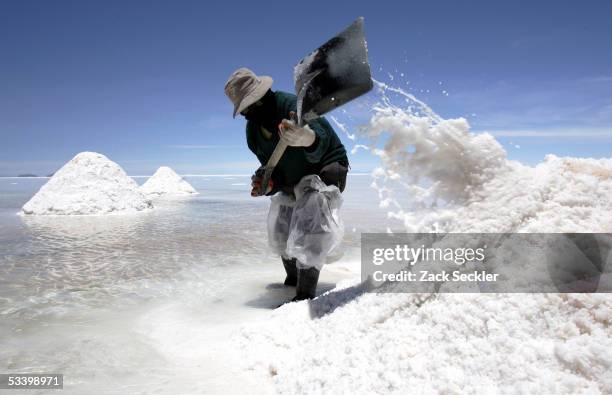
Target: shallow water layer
(140,302)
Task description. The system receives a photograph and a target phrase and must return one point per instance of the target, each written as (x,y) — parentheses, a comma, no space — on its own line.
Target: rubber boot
(307,280)
(291,270)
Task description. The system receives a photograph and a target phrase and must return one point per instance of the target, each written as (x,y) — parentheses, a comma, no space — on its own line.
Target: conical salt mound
(88,184)
(165,182)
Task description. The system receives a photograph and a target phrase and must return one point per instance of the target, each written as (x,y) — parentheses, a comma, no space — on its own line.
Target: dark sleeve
(252,145)
(250,130)
(324,132)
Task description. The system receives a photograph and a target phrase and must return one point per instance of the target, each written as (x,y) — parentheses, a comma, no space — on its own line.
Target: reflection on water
(99,255)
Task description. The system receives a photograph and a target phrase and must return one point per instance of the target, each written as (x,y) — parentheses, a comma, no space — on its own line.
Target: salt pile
(436,175)
(90,183)
(348,342)
(165,182)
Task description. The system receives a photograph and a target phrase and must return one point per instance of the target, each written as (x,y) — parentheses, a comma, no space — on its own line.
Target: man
(303,223)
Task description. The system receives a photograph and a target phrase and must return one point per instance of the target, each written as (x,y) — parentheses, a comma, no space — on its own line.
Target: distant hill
(27,175)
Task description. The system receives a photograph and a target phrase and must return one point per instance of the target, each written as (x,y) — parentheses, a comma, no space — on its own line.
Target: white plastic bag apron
(279,220)
(307,227)
(314,229)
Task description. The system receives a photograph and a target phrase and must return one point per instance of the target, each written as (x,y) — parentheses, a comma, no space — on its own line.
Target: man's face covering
(262,111)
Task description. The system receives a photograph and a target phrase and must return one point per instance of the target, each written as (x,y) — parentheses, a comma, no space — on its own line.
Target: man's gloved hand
(294,135)
(256,182)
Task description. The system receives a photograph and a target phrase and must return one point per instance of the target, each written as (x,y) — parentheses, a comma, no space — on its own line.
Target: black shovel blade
(334,74)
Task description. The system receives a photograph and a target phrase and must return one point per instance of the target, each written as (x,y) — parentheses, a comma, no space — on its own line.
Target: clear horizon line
(182,175)
(202,146)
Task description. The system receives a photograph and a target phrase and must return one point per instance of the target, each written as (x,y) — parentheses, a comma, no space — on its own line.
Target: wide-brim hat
(244,88)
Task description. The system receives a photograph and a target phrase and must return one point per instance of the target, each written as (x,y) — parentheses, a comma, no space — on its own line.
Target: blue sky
(142,81)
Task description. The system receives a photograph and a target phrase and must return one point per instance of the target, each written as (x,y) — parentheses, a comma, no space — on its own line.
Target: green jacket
(296,162)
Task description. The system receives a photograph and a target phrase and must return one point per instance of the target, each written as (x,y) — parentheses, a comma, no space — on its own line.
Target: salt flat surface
(146,303)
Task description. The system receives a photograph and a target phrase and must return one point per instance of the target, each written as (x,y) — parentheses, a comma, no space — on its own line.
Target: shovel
(330,76)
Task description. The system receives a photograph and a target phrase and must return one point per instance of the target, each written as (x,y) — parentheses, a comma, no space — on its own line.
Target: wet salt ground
(145,301)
